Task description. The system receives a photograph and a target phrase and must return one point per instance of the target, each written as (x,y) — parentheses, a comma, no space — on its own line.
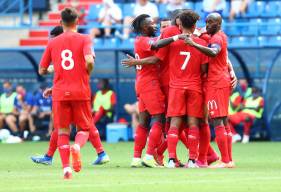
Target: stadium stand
(254,48)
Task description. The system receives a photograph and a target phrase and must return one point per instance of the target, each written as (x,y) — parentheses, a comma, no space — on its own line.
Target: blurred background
(253,28)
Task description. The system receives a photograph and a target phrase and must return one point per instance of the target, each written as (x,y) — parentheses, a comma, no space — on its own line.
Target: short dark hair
(69,15)
(164,19)
(138,22)
(56,31)
(189,18)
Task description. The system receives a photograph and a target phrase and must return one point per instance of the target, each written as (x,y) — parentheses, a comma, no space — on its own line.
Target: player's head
(56,31)
(175,16)
(256,92)
(164,23)
(213,23)
(144,24)
(188,20)
(103,84)
(243,83)
(69,18)
(7,87)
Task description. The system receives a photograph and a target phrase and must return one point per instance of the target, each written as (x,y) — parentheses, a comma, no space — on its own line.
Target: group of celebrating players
(184,78)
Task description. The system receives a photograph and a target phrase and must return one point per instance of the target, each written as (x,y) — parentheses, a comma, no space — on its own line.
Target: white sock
(148,157)
(67,169)
(77,147)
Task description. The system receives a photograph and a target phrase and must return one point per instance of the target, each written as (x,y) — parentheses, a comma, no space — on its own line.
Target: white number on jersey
(66,55)
(138,67)
(187,54)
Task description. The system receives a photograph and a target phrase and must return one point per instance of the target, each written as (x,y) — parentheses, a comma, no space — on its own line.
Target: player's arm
(211,51)
(89,55)
(131,61)
(45,62)
(164,42)
(232,74)
(90,63)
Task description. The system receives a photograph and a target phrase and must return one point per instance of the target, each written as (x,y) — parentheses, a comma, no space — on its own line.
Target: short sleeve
(113,99)
(145,44)
(262,103)
(216,39)
(46,58)
(162,53)
(87,48)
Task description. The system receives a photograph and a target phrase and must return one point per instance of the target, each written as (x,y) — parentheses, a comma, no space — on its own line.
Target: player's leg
(234,120)
(140,137)
(23,118)
(229,138)
(11,122)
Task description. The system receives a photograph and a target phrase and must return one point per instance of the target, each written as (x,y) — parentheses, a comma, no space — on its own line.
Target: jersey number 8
(66,55)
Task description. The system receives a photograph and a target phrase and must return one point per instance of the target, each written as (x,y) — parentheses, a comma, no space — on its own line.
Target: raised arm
(212,51)
(164,42)
(131,61)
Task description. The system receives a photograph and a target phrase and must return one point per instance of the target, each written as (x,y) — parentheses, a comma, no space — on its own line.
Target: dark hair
(164,19)
(138,22)
(69,15)
(56,31)
(189,18)
(106,82)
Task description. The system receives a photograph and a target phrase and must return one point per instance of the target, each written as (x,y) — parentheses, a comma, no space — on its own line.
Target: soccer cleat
(171,164)
(67,173)
(236,138)
(221,165)
(103,158)
(136,162)
(159,159)
(45,160)
(231,164)
(76,158)
(149,162)
(201,164)
(178,163)
(191,164)
(213,158)
(246,139)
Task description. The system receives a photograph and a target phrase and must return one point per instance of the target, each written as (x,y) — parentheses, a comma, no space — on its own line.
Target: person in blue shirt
(24,104)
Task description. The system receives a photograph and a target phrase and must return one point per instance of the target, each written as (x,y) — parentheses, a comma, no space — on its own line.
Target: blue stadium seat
(274,41)
(260,7)
(93,12)
(271,27)
(128,9)
(252,11)
(111,43)
(199,9)
(226,11)
(162,9)
(188,5)
(98,43)
(271,9)
(127,43)
(252,28)
(263,41)
(243,41)
(232,30)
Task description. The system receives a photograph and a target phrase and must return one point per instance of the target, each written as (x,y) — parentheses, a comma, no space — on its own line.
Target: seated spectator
(174,4)
(142,7)
(109,15)
(210,6)
(7,100)
(43,108)
(251,110)
(23,107)
(245,90)
(238,7)
(104,102)
(235,103)
(132,109)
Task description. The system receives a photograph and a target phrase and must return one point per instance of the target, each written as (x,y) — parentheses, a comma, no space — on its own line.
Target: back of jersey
(67,52)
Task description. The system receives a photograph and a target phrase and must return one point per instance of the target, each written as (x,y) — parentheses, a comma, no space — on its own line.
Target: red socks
(98,115)
(204,142)
(229,141)
(173,137)
(162,148)
(53,143)
(154,137)
(140,140)
(94,138)
(183,136)
(64,149)
(81,138)
(193,142)
(247,127)
(221,138)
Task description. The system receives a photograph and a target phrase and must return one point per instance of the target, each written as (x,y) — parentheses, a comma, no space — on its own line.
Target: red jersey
(164,76)
(147,75)
(71,78)
(185,64)
(218,75)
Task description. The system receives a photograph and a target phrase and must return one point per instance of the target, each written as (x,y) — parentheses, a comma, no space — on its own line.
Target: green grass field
(258,169)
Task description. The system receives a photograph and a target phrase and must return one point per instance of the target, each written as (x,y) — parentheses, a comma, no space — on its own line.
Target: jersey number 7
(187,54)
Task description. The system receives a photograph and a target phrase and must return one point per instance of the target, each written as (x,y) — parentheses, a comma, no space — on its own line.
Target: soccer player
(219,86)
(94,138)
(73,60)
(150,96)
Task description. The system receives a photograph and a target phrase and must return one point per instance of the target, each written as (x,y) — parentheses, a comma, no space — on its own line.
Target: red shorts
(152,101)
(185,102)
(217,100)
(76,112)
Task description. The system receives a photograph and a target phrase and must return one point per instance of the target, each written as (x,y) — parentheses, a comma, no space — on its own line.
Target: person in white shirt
(109,15)
(142,7)
(210,6)
(238,7)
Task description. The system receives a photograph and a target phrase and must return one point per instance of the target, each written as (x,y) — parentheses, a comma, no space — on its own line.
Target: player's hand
(128,62)
(51,69)
(234,80)
(189,41)
(47,93)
